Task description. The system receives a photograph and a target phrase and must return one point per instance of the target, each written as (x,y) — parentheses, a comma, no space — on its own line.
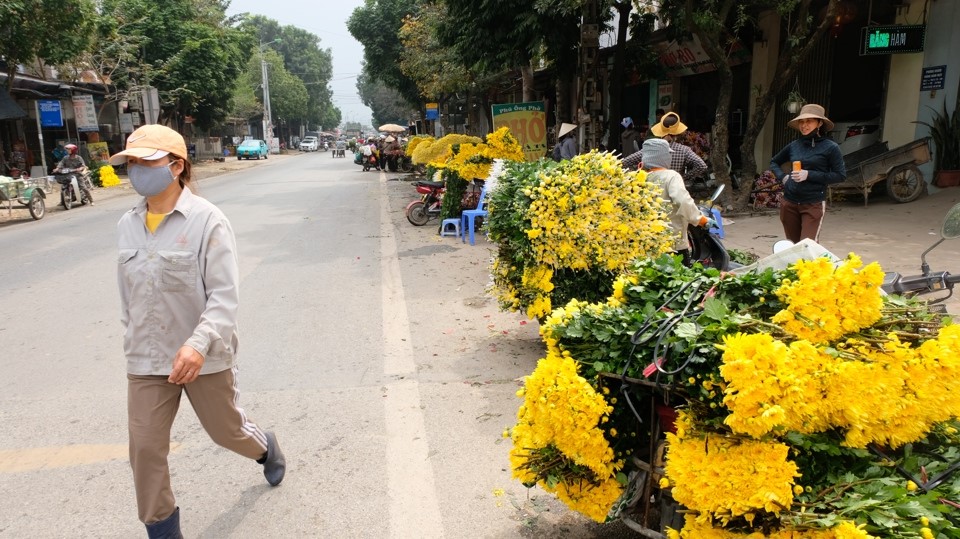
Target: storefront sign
(933,77)
(682,58)
(899,38)
(85,113)
(527,122)
(126,122)
(51,115)
(432,111)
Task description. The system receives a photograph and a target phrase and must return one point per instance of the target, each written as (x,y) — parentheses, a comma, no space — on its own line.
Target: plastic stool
(450,227)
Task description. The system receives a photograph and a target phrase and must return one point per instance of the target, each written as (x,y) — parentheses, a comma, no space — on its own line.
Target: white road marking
(414,509)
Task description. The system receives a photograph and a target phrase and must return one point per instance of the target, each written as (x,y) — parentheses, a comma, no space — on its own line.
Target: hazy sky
(327,20)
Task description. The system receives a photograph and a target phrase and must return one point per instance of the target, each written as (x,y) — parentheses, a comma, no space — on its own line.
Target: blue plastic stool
(718,230)
(450,227)
(468,217)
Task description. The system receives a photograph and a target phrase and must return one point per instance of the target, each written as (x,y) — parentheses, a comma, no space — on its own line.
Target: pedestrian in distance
(683,211)
(814,162)
(631,139)
(179,291)
(566,147)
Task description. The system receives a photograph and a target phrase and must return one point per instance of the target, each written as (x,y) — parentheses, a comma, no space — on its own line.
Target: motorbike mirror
(716,194)
(951,224)
(782,245)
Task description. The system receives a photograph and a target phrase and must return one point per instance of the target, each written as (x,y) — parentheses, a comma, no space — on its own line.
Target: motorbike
(399,161)
(705,244)
(427,207)
(928,281)
(69,180)
(366,161)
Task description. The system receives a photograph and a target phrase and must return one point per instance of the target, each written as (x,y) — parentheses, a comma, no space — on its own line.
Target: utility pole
(267,116)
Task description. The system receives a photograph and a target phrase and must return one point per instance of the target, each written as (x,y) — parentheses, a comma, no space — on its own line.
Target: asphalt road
(368,346)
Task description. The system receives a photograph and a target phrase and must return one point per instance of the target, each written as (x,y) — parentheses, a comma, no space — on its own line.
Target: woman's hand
(186,366)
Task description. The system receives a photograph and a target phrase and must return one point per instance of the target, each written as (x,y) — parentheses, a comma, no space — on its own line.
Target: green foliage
(454,189)
(376,25)
(945,132)
(38,32)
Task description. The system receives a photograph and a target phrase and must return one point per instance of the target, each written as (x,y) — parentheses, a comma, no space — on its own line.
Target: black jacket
(819,156)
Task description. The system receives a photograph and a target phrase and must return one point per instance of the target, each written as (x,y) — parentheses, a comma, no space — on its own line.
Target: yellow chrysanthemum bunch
(558,442)
(723,477)
(502,144)
(590,213)
(108,176)
(694,529)
(824,304)
(473,161)
(889,393)
(416,141)
(436,153)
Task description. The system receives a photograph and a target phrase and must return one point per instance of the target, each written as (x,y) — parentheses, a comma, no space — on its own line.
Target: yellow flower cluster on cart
(821,358)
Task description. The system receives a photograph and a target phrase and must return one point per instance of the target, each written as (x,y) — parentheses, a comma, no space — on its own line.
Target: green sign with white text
(895,39)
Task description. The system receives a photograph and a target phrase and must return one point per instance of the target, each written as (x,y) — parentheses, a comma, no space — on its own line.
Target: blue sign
(933,77)
(50,113)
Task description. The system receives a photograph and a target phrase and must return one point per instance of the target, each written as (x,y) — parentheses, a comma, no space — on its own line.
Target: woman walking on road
(815,162)
(178,276)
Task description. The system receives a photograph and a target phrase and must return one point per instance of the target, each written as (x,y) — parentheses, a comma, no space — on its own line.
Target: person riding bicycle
(74,163)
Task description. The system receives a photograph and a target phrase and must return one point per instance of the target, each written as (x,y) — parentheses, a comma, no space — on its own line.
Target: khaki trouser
(152,405)
(802,221)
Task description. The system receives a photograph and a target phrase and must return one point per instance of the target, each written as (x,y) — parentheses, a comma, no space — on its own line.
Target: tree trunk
(616,77)
(526,74)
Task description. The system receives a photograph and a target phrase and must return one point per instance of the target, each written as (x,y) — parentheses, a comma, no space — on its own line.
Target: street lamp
(267,116)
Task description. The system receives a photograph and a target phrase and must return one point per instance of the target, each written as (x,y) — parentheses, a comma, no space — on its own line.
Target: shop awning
(9,110)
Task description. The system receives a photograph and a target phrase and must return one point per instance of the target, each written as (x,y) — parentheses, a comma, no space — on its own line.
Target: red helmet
(72,148)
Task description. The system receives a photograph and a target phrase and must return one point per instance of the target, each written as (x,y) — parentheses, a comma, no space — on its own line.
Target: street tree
(38,33)
(717,24)
(376,25)
(188,50)
(386,103)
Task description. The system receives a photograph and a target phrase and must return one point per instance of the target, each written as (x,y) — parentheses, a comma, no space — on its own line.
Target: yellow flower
(911,486)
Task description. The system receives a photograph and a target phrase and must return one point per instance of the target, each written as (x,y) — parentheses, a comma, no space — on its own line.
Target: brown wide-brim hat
(670,124)
(811,111)
(151,142)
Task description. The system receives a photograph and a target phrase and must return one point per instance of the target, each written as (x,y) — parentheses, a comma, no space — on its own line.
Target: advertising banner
(85,113)
(527,122)
(98,151)
(50,113)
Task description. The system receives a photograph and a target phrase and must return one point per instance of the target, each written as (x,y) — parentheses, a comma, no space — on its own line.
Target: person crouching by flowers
(179,279)
(683,211)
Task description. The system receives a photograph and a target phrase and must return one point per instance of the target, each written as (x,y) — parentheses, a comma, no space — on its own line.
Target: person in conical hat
(566,142)
(813,162)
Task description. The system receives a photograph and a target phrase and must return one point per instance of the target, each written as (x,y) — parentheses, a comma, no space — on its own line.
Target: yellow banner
(527,122)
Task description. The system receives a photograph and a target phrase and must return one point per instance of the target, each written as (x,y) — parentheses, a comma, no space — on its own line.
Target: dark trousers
(802,221)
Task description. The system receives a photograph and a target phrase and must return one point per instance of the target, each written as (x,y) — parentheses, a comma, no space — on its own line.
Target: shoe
(274,464)
(168,528)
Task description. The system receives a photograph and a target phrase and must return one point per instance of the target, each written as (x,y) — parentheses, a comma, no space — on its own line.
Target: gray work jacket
(178,286)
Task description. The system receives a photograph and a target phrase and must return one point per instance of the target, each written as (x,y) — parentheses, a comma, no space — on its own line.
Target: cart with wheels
(896,168)
(29,192)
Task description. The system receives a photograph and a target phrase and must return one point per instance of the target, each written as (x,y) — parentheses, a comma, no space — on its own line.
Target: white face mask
(150,181)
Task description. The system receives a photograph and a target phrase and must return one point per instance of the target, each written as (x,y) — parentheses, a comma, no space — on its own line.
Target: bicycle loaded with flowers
(794,403)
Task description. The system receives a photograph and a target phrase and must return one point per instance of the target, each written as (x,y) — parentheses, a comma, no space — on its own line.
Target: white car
(308,144)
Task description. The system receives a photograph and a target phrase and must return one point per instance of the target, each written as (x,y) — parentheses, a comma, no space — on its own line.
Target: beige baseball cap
(151,142)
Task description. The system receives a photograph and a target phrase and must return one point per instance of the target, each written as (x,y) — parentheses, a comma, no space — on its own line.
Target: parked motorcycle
(928,282)
(366,161)
(427,207)
(705,244)
(69,180)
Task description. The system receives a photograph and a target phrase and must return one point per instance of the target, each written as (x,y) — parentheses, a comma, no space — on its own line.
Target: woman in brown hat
(814,162)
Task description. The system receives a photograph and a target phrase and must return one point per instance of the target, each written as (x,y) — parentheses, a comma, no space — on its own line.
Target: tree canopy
(44,32)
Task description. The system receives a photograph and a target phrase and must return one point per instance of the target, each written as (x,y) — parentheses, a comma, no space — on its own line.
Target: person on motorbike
(74,163)
(657,155)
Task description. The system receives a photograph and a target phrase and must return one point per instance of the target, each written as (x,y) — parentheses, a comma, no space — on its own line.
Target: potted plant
(794,101)
(945,132)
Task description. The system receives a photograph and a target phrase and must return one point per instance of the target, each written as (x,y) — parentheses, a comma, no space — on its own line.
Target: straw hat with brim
(150,142)
(566,128)
(389,139)
(670,124)
(811,111)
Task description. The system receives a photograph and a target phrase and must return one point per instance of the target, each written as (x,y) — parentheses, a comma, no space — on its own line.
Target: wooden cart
(898,168)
